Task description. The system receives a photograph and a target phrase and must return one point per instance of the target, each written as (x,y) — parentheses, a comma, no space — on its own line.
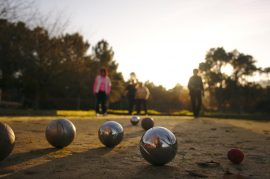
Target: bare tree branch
(27,12)
(13,10)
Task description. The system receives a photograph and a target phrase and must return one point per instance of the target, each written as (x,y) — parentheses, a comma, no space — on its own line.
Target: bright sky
(163,40)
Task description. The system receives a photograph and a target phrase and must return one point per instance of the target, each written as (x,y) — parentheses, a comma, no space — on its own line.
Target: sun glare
(227,69)
(164,65)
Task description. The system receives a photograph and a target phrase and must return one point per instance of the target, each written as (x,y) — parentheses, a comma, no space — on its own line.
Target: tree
(168,101)
(12,49)
(179,98)
(225,90)
(214,79)
(27,12)
(14,11)
(243,66)
(267,71)
(39,66)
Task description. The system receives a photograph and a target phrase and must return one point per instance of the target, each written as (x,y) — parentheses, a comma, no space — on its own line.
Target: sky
(164,40)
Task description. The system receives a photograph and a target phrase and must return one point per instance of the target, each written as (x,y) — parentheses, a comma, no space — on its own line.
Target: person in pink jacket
(102,89)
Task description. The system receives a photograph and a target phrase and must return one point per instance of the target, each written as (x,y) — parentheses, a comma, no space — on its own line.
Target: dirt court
(202,150)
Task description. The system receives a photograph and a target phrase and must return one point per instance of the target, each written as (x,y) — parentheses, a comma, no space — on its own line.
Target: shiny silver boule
(111,133)
(158,146)
(135,120)
(60,133)
(7,140)
(147,123)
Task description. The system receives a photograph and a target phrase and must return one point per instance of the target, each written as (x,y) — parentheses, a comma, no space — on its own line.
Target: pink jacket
(98,83)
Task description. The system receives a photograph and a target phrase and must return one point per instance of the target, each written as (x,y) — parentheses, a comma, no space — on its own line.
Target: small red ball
(236,156)
(147,123)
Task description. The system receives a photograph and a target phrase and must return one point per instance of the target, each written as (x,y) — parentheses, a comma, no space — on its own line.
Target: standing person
(102,89)
(130,92)
(142,95)
(196,91)
(1,77)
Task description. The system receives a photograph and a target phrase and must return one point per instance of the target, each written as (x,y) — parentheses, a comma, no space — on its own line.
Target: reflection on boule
(111,133)
(135,120)
(158,146)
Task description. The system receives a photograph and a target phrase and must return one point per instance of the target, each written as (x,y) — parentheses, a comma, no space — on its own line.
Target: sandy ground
(202,150)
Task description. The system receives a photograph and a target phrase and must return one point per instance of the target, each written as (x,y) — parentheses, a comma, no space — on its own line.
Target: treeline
(50,72)
(42,71)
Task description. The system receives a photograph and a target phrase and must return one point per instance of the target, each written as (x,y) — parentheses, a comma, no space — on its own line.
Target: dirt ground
(202,150)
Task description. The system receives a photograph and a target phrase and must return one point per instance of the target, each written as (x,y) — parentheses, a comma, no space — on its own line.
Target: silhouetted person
(130,94)
(1,77)
(196,92)
(142,94)
(102,89)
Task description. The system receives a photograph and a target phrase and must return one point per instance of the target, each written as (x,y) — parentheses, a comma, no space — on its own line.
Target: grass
(125,112)
(75,113)
(183,113)
(87,113)
(26,112)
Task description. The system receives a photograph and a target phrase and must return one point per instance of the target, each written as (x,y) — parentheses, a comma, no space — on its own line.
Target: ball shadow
(25,156)
(80,160)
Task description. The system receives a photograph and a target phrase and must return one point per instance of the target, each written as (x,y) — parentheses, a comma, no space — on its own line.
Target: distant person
(196,91)
(102,89)
(142,95)
(0,95)
(130,92)
(1,77)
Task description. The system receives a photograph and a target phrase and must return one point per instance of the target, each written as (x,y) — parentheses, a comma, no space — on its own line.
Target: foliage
(51,72)
(168,100)
(230,91)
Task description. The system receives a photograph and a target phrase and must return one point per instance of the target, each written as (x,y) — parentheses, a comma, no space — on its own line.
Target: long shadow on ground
(23,157)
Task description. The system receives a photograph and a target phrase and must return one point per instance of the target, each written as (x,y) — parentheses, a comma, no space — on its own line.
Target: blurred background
(50,53)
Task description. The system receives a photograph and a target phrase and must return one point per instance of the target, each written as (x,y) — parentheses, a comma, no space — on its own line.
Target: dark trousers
(140,102)
(196,102)
(101,99)
(131,103)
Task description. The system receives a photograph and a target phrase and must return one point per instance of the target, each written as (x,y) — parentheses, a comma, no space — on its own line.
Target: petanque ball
(7,140)
(110,133)
(135,120)
(60,133)
(147,123)
(236,156)
(158,146)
